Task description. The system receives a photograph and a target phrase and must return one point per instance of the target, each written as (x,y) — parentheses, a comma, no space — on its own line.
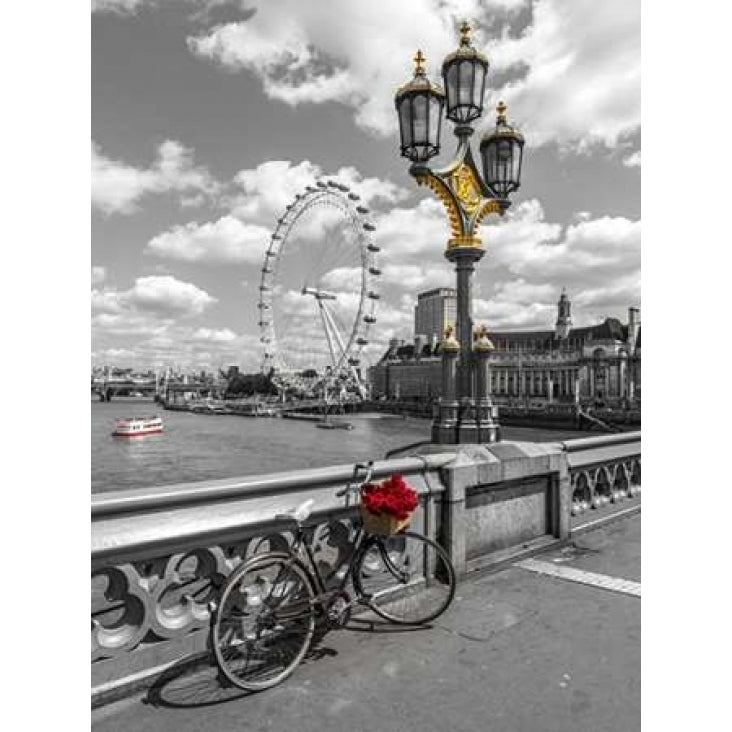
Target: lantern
(463,74)
(419,106)
(502,150)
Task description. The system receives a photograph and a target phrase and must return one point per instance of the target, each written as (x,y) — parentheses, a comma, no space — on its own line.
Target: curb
(599,523)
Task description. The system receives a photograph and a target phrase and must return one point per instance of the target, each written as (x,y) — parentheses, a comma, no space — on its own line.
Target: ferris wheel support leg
(326,327)
(334,328)
(354,373)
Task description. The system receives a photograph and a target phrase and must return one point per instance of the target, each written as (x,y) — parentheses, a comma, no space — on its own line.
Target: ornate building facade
(598,365)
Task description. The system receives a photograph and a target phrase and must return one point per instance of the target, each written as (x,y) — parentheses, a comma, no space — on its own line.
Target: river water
(202,447)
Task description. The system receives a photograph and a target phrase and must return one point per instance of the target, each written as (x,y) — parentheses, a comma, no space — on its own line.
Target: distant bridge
(165,390)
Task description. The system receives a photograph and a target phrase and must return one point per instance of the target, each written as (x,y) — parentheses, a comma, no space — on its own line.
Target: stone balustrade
(159,555)
(603,470)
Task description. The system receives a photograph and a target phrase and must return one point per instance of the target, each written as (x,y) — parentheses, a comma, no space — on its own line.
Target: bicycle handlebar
(361,481)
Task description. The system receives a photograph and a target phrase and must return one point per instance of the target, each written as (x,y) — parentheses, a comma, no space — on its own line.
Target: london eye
(318,293)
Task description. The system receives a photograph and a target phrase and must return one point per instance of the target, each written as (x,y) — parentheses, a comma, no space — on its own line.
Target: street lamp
(468,197)
(419,104)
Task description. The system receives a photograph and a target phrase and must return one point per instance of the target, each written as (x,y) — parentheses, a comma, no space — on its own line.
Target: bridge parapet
(159,555)
(603,469)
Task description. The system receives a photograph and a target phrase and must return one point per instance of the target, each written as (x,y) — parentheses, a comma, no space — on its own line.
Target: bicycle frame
(350,562)
(361,542)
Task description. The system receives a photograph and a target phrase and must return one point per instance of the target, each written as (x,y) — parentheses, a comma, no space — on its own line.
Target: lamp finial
(465,30)
(501,108)
(419,60)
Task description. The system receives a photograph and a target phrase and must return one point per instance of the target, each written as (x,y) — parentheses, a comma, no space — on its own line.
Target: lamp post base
(468,425)
(444,423)
(487,415)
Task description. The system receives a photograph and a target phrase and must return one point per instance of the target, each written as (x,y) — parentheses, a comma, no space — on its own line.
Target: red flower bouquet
(387,507)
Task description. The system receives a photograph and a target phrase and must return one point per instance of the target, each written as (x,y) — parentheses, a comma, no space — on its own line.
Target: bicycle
(265,620)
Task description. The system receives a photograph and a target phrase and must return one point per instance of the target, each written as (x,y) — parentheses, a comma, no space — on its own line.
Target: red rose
(393,497)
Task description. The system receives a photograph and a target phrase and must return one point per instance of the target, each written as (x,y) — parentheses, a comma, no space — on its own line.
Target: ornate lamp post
(468,198)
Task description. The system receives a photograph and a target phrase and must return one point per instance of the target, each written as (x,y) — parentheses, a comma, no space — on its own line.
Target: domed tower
(564,317)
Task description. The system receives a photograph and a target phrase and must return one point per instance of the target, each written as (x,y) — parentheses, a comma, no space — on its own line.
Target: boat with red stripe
(138,426)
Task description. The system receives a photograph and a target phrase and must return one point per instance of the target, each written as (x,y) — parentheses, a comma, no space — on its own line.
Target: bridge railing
(159,555)
(603,470)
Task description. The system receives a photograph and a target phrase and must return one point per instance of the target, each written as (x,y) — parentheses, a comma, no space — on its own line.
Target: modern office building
(433,312)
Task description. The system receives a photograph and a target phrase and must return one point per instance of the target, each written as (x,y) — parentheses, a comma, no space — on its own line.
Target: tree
(249,384)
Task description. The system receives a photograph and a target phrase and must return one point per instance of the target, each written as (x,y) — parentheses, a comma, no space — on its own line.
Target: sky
(209,116)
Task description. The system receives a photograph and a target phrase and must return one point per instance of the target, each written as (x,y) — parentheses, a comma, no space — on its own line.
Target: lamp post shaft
(464,259)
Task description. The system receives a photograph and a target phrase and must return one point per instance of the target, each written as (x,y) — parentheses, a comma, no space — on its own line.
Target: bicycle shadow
(379,625)
(196,681)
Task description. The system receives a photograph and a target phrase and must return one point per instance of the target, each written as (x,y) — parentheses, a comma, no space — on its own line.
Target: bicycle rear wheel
(406,578)
(264,622)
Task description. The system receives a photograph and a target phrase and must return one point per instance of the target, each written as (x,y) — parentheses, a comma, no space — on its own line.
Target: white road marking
(614,584)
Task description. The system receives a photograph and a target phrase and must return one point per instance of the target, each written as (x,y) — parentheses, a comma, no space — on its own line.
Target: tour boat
(138,426)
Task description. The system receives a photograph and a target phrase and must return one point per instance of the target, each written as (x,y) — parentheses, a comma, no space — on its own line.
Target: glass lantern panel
(451,82)
(465,84)
(434,120)
(518,155)
(419,119)
(405,121)
(479,86)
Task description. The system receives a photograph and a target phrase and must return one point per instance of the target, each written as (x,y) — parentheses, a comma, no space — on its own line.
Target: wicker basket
(382,524)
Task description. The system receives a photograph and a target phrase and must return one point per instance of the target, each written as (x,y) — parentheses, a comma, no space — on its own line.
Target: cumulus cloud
(213,335)
(156,296)
(573,71)
(353,53)
(180,345)
(117,6)
(529,259)
(261,194)
(407,231)
(633,160)
(589,250)
(582,81)
(501,315)
(256,198)
(154,322)
(98,275)
(117,187)
(225,241)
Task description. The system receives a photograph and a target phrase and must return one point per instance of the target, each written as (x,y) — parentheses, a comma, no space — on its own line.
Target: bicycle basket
(382,524)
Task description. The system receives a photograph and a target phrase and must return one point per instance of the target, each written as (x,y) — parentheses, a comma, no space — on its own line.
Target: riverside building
(598,365)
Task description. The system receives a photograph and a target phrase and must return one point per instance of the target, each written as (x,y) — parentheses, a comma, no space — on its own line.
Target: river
(203,447)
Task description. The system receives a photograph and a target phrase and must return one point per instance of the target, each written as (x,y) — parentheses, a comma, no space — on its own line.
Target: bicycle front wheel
(264,622)
(406,578)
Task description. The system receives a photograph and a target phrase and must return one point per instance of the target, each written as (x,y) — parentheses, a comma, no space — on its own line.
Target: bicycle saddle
(299,514)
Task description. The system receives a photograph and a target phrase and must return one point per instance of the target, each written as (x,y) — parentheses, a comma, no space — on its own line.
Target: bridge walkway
(521,649)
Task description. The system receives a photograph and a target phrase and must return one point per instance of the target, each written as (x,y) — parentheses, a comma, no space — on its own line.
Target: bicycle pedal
(212,607)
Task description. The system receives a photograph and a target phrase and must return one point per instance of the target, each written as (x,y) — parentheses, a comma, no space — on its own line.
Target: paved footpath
(550,644)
